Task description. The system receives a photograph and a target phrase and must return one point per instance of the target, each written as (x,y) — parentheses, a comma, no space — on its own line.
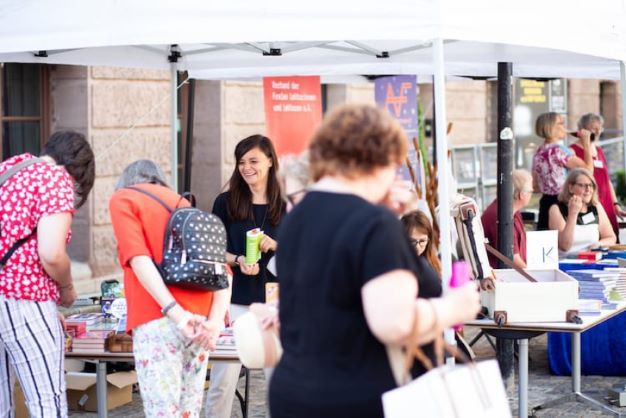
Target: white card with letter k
(542,250)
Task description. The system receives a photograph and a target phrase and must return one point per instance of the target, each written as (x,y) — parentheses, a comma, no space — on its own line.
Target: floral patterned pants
(171,375)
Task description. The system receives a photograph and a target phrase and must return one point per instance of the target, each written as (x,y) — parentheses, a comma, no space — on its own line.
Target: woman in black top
(348,286)
(253,200)
(580,219)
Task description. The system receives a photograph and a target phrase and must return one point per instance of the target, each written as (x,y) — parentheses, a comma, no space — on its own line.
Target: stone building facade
(125,113)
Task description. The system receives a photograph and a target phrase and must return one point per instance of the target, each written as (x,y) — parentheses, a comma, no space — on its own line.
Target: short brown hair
(354,140)
(565,194)
(545,123)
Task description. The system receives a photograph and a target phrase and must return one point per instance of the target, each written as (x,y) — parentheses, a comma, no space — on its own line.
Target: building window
(24,108)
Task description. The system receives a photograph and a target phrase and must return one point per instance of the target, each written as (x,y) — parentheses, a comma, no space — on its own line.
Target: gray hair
(522,180)
(141,171)
(586,119)
(296,168)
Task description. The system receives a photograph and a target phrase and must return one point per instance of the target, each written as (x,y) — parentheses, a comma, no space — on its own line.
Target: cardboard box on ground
(81,390)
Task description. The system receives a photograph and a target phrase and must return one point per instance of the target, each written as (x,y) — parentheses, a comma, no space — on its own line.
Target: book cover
(93,336)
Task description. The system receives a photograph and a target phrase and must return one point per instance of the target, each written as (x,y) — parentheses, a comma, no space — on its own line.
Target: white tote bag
(470,390)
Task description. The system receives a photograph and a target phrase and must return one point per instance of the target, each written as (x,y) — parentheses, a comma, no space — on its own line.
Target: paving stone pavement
(542,387)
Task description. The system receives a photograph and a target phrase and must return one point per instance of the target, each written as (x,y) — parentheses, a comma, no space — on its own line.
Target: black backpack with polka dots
(194,248)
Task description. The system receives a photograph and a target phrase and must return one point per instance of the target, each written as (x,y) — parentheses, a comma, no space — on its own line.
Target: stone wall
(129,120)
(125,115)
(583,97)
(611,107)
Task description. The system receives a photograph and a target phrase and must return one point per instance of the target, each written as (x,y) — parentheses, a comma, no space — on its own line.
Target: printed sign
(293,110)
(398,95)
(542,250)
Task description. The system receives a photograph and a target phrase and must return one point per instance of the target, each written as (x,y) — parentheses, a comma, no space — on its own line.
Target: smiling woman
(582,222)
(253,201)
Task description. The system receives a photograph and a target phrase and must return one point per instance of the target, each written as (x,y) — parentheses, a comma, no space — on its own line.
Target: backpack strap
(152,196)
(3,179)
(17,167)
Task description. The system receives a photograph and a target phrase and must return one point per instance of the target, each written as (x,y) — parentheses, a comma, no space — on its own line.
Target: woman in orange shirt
(172,327)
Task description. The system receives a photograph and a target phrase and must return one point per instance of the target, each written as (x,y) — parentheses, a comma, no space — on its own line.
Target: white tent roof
(228,39)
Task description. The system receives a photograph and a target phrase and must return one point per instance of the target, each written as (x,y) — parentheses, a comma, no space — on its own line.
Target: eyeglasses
(586,186)
(419,242)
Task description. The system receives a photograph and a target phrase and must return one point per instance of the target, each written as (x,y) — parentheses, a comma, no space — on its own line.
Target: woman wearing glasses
(581,221)
(522,193)
(420,231)
(594,123)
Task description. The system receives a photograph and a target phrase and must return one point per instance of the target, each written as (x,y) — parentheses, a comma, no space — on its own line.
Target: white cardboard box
(548,300)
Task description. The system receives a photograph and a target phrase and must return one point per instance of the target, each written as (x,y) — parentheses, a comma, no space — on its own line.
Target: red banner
(293,110)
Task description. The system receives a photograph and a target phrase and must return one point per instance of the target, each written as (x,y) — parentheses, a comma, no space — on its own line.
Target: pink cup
(460,274)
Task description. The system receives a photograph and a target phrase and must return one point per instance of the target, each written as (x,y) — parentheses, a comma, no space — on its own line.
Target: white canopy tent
(276,37)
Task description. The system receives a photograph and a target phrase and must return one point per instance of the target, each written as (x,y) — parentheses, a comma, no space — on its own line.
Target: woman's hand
(488,284)
(585,137)
(249,269)
(401,197)
(210,332)
(267,244)
(67,295)
(61,318)
(464,303)
(574,206)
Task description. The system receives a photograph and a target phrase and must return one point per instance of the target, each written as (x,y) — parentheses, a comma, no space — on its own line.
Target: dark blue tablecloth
(603,349)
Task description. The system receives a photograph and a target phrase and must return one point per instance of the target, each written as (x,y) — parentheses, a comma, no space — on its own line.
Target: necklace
(264,218)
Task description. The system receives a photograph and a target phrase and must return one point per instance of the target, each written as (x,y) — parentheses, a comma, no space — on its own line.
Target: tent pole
(174,124)
(189,140)
(442,162)
(504,346)
(622,68)
(442,173)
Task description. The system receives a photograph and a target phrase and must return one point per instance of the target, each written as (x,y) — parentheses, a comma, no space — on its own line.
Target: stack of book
(620,287)
(91,342)
(589,307)
(78,324)
(226,340)
(595,284)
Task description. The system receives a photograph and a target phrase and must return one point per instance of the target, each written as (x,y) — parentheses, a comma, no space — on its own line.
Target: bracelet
(237,258)
(615,204)
(168,307)
(184,320)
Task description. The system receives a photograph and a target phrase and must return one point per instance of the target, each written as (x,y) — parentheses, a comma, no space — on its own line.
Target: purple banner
(398,94)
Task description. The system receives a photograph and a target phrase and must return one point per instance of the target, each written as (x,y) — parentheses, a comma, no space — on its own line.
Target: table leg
(101,388)
(576,371)
(523,377)
(576,394)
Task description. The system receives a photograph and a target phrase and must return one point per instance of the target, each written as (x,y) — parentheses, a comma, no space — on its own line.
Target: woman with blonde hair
(552,160)
(580,219)
(349,275)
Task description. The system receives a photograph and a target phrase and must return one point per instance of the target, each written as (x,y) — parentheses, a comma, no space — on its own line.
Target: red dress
(601,175)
